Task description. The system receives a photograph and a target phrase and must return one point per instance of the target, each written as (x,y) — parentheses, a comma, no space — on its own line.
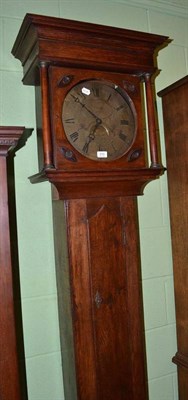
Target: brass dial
(99,120)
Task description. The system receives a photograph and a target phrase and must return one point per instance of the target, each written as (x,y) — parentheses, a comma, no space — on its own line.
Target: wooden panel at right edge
(175,113)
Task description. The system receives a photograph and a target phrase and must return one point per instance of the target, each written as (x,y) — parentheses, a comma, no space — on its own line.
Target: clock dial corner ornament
(99,120)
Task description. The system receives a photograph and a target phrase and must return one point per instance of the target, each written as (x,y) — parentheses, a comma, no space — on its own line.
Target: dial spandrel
(99,120)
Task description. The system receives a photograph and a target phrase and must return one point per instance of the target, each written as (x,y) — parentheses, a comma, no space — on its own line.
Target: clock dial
(99,120)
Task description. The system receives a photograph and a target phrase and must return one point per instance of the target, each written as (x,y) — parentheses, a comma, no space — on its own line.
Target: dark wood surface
(105,293)
(12,371)
(96,228)
(175,112)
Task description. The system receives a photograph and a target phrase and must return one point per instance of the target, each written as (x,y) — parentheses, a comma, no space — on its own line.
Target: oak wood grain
(175,113)
(105,293)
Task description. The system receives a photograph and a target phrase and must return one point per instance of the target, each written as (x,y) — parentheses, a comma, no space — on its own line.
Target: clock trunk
(99,296)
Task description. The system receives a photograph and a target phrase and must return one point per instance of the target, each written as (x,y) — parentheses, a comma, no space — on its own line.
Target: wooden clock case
(94,206)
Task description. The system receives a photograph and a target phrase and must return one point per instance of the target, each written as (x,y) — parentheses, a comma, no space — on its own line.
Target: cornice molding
(12,138)
(180,359)
(173,8)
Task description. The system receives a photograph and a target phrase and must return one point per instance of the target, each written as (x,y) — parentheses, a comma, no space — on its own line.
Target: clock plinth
(91,120)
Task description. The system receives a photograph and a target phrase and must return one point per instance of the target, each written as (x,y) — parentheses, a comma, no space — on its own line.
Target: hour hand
(90,138)
(86,147)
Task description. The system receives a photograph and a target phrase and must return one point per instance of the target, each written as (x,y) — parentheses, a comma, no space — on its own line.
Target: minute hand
(98,120)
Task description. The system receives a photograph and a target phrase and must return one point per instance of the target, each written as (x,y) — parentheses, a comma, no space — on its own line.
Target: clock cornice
(12,138)
(73,43)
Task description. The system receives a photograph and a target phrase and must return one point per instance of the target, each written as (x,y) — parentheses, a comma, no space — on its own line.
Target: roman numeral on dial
(109,97)
(122,136)
(69,121)
(74,136)
(95,91)
(120,107)
(124,122)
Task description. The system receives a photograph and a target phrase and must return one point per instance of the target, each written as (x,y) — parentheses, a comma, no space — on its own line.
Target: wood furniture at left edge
(12,368)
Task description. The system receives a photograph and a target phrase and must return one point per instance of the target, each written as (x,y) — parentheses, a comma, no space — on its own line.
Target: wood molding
(77,185)
(35,43)
(12,138)
(181,360)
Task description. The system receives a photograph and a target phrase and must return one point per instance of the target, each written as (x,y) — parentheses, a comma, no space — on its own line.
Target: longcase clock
(12,368)
(90,82)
